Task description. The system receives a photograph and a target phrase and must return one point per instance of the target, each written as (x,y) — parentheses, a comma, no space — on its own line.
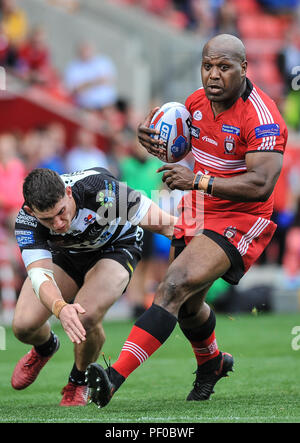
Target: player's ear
(29,210)
(244,66)
(69,191)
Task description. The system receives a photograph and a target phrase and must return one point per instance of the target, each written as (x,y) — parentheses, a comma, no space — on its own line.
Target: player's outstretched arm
(146,136)
(158,221)
(41,275)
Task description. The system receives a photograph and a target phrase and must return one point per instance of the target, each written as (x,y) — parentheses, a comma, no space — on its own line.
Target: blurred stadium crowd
(104,130)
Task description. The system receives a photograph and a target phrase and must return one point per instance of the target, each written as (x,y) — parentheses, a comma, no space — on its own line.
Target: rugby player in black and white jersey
(80,235)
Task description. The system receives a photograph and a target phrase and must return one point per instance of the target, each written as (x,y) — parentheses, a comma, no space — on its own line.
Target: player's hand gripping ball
(173,122)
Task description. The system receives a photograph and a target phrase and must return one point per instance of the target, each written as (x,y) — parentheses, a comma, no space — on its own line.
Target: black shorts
(236,271)
(148,245)
(77,264)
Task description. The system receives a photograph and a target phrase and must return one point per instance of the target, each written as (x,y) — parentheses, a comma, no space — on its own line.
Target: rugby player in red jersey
(238,138)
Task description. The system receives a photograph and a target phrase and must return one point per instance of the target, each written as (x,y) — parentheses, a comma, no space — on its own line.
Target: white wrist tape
(39,276)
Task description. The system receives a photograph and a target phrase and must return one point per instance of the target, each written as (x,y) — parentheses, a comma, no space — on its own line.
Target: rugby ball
(173,122)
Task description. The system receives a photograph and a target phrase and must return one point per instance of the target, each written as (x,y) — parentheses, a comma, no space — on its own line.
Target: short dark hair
(42,189)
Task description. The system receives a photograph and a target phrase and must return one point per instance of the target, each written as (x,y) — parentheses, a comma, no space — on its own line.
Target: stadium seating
(263,35)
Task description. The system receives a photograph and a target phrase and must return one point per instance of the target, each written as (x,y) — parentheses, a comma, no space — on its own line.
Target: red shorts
(242,235)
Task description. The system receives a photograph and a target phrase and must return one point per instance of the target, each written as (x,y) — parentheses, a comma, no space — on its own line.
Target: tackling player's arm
(142,211)
(40,273)
(158,221)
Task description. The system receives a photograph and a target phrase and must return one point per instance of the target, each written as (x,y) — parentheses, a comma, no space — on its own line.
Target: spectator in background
(201,17)
(8,53)
(280,6)
(120,146)
(29,149)
(172,13)
(52,148)
(91,79)
(289,56)
(226,18)
(67,5)
(291,259)
(34,59)
(286,196)
(156,7)
(85,154)
(14,21)
(288,62)
(12,174)
(57,133)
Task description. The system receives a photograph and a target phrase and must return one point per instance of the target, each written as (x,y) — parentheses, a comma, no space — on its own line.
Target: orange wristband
(57,307)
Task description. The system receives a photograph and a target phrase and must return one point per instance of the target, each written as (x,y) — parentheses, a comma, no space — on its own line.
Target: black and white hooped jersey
(108,211)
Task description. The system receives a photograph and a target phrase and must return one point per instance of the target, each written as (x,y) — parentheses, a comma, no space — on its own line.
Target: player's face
(222,77)
(58,218)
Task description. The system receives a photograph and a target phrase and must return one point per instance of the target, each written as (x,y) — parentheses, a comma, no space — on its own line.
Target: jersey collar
(248,90)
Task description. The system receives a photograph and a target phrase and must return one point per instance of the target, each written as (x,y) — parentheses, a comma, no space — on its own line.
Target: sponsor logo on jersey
(195,132)
(209,140)
(89,219)
(229,145)
(71,178)
(271,130)
(24,238)
(24,219)
(231,129)
(230,232)
(197,115)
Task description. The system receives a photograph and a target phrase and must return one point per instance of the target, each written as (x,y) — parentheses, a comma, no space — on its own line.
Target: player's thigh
(104,283)
(66,284)
(30,314)
(200,263)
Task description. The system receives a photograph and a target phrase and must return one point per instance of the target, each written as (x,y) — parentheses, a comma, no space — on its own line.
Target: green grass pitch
(264,388)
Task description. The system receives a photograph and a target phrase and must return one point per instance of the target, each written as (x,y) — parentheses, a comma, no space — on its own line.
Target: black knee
(172,291)
(198,332)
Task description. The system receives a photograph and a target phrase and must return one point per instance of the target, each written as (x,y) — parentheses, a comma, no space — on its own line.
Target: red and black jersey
(220,144)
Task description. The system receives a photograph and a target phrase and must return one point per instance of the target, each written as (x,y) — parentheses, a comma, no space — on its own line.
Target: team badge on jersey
(197,115)
(229,145)
(230,232)
(106,199)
